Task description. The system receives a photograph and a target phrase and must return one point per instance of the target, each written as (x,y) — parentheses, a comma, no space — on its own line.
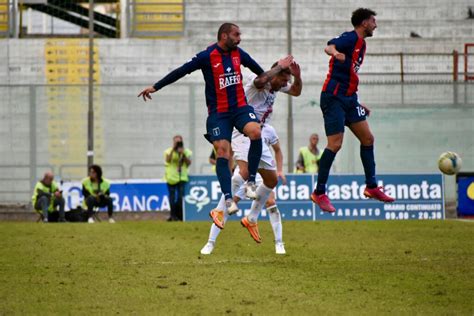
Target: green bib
(93,187)
(310,160)
(173,174)
(40,186)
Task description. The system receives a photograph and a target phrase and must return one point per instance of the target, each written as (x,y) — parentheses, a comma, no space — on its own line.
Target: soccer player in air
(261,94)
(226,102)
(340,107)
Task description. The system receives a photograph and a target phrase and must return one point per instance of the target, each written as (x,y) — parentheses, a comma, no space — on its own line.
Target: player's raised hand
(146,94)
(285,62)
(339,56)
(295,69)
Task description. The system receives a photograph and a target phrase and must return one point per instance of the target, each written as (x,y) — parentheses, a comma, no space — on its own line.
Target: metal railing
(405,70)
(26,110)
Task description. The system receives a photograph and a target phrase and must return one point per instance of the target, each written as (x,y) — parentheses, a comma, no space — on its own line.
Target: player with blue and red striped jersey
(341,107)
(226,102)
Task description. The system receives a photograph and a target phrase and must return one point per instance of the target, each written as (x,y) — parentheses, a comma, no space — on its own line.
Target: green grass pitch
(373,267)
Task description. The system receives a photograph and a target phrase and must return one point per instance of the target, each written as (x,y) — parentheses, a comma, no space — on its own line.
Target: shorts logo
(252,116)
(216,131)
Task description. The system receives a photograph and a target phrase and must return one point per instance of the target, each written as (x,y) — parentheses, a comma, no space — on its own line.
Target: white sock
(240,193)
(237,182)
(215,231)
(221,205)
(275,220)
(262,196)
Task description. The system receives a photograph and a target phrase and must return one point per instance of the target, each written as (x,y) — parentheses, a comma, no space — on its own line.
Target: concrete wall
(413,123)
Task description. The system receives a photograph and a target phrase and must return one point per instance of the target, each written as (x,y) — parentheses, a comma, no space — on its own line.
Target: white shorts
(240,147)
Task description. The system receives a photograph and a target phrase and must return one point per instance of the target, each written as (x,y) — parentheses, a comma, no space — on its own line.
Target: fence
(44,127)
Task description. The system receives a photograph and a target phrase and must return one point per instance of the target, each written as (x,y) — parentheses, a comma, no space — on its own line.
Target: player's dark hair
(283,71)
(360,15)
(225,29)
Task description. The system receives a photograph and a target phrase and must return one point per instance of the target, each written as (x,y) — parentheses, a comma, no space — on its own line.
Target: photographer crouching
(177,161)
(96,191)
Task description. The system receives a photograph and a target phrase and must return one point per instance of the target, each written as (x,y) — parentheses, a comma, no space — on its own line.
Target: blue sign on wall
(465,182)
(203,193)
(419,196)
(133,195)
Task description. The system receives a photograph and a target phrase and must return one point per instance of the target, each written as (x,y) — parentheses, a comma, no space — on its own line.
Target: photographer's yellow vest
(172,172)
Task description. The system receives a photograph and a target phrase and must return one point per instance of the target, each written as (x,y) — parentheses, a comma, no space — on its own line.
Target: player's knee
(271,182)
(335,145)
(335,142)
(270,202)
(368,140)
(254,132)
(222,151)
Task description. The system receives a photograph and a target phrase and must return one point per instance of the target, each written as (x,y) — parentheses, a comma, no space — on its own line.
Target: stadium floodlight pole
(289,43)
(90,112)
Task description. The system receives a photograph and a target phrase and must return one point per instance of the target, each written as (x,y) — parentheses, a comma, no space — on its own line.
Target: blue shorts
(220,125)
(339,111)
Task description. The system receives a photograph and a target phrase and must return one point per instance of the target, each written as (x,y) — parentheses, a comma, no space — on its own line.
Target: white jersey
(269,135)
(261,99)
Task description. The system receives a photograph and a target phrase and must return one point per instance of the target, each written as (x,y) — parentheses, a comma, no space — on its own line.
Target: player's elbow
(296,93)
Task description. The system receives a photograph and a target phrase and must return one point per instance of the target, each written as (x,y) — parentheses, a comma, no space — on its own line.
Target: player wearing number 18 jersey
(340,107)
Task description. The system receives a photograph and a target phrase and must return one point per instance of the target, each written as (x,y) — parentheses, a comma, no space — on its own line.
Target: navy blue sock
(368,160)
(224,176)
(255,153)
(325,164)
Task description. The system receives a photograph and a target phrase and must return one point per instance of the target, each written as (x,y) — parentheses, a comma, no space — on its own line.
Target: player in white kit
(261,96)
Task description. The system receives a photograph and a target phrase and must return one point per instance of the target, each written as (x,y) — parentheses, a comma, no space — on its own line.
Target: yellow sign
(158,17)
(3,16)
(67,64)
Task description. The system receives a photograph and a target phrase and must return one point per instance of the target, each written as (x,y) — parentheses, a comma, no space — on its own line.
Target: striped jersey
(222,74)
(342,78)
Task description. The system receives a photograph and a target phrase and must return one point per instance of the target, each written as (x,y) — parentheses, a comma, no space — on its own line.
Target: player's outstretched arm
(332,51)
(265,77)
(173,76)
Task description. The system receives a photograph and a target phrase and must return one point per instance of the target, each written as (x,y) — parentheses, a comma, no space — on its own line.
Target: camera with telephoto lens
(179,145)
